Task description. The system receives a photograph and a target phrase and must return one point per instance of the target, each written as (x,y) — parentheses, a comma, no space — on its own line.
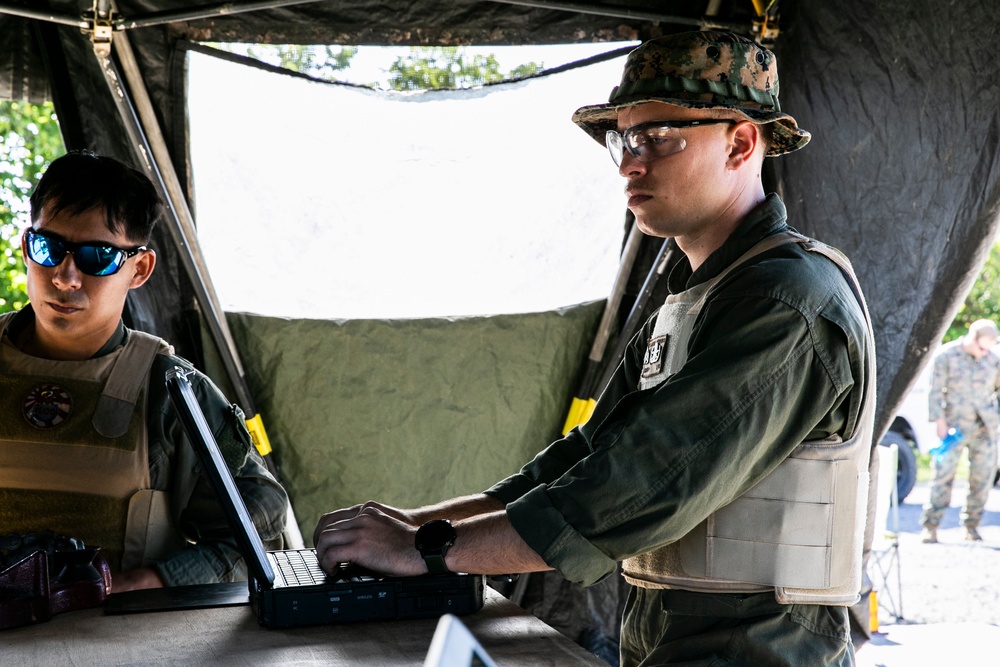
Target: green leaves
(983,300)
(29,141)
(423,68)
(320,61)
(450,67)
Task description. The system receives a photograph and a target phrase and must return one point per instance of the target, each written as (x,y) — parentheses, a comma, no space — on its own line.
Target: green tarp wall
(409,412)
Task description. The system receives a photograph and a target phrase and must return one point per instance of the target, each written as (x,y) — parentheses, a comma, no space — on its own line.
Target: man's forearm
(458,509)
(455,509)
(380,538)
(488,544)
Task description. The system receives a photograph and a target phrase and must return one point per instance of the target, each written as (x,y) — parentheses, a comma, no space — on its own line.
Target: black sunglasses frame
(673,124)
(58,249)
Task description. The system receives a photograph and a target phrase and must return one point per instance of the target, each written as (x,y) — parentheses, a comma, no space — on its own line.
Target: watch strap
(436,564)
(433,540)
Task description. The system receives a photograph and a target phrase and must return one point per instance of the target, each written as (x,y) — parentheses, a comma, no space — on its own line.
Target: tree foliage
(321,61)
(423,68)
(983,300)
(29,141)
(450,67)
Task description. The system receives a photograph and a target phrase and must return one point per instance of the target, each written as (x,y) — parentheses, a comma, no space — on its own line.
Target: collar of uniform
(767,219)
(26,317)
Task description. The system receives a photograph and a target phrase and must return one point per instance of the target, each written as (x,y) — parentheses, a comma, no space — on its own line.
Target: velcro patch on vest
(61,427)
(656,352)
(47,406)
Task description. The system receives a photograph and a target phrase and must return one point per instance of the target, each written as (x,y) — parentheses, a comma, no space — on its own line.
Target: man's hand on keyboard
(331,518)
(369,537)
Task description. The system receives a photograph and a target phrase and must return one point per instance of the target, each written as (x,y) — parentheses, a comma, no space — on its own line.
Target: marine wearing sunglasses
(92,258)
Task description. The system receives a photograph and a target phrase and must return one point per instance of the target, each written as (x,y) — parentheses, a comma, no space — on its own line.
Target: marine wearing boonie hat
(700,70)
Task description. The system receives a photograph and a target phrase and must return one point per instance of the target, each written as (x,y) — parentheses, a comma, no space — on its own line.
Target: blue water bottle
(948,443)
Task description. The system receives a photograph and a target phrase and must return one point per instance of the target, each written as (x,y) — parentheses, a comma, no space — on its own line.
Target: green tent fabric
(409,412)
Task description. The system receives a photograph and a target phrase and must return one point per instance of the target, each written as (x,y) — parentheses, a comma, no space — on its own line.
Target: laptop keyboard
(302,568)
(299,567)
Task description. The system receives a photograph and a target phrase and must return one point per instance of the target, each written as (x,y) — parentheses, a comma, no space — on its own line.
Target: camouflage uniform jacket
(964,388)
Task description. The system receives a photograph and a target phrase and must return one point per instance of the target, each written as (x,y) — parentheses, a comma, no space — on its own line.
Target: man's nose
(67,276)
(630,166)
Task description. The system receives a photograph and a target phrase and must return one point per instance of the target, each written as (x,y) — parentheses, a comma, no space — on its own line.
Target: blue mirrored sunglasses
(92,258)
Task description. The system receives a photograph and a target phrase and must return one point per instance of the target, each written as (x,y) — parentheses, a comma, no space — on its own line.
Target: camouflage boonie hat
(700,70)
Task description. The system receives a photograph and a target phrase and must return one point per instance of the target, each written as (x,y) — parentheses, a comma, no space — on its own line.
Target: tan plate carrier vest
(83,470)
(800,531)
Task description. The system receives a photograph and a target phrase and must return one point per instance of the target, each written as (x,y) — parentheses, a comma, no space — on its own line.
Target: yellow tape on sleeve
(579,413)
(573,416)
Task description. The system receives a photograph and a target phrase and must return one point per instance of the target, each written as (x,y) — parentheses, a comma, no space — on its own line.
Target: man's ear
(145,262)
(746,139)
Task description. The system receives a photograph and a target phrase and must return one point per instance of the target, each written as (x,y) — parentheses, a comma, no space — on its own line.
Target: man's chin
(648,227)
(56,321)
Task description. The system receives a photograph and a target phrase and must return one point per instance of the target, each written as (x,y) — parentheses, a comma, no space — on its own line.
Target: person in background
(90,447)
(963,396)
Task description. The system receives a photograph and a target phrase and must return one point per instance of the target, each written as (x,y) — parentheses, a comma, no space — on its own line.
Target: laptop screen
(186,404)
(454,645)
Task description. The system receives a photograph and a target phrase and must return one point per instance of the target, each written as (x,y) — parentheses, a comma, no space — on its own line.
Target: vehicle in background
(912,432)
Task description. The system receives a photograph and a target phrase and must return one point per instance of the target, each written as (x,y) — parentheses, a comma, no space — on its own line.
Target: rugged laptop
(288,588)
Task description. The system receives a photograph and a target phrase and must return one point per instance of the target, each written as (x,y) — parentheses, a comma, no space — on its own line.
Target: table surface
(231,636)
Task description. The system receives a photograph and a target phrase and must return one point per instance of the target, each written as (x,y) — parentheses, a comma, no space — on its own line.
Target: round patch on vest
(47,406)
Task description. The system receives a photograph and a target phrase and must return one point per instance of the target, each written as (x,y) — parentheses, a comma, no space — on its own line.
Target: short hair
(981,328)
(82,180)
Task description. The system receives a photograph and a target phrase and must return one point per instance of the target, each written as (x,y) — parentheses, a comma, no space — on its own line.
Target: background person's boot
(929,535)
(972,535)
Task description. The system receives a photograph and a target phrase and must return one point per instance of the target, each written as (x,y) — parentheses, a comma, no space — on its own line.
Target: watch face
(435,535)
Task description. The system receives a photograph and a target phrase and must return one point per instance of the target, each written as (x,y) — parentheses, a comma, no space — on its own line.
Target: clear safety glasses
(648,141)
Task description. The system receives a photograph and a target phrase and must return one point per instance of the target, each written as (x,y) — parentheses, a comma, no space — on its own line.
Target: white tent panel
(331,201)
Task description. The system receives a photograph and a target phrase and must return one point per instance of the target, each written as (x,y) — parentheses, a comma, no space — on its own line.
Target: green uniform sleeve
(764,374)
(212,555)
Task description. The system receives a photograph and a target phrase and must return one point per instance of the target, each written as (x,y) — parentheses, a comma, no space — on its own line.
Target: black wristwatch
(433,540)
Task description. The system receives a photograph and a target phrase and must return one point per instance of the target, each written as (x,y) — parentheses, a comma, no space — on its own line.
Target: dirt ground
(947,594)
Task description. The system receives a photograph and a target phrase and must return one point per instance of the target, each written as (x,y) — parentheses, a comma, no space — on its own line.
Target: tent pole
(48,17)
(202,12)
(622,13)
(584,400)
(154,18)
(151,151)
(664,258)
